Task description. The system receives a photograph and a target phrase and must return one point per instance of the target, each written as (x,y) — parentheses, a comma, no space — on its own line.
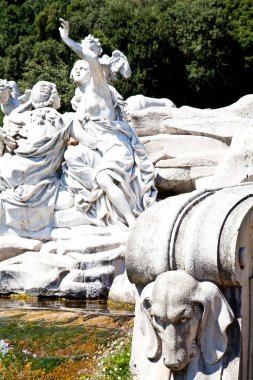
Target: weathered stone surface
(91,283)
(49,247)
(192,138)
(220,127)
(34,274)
(209,159)
(175,180)
(147,121)
(96,272)
(219,123)
(200,172)
(186,231)
(88,244)
(243,107)
(237,164)
(79,268)
(100,258)
(11,246)
(203,183)
(122,290)
(181,180)
(182,146)
(149,252)
(99,231)
(180,176)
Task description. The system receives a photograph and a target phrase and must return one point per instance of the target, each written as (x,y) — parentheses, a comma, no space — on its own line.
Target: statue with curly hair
(29,179)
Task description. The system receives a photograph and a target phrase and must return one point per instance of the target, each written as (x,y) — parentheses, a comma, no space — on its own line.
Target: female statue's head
(45,94)
(80,73)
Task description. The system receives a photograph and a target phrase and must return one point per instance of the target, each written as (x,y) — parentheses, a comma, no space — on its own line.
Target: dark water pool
(98,307)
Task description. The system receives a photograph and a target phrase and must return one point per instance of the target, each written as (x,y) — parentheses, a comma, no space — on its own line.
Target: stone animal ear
(151,342)
(216,318)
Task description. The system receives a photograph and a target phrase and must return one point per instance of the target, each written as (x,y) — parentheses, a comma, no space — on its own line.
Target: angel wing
(15,93)
(117,63)
(25,97)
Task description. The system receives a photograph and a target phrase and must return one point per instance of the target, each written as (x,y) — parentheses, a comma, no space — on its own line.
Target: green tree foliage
(211,58)
(194,52)
(241,28)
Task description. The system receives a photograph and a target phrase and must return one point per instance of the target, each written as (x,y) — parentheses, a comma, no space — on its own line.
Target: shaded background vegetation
(195,52)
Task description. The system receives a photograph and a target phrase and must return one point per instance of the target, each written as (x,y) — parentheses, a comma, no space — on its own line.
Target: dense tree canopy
(195,52)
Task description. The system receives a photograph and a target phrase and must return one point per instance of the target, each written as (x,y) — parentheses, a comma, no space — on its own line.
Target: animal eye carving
(147,304)
(183,320)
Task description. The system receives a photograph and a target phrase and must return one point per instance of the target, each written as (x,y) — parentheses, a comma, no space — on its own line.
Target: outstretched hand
(64,28)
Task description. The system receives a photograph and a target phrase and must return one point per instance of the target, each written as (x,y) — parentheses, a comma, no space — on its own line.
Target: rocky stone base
(82,267)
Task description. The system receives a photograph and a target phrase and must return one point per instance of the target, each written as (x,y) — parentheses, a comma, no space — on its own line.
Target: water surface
(97,307)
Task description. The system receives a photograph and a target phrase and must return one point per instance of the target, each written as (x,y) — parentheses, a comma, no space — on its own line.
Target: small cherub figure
(9,96)
(10,100)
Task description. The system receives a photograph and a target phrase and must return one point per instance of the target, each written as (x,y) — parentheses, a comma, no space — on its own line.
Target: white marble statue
(114,183)
(10,99)
(140,102)
(9,96)
(29,179)
(133,103)
(80,75)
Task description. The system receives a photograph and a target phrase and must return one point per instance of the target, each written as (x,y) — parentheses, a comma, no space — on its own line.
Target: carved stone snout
(178,339)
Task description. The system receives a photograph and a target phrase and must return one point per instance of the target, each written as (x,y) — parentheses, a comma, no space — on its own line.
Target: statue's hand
(64,29)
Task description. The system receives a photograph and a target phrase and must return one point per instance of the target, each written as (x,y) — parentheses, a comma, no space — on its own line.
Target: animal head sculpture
(181,316)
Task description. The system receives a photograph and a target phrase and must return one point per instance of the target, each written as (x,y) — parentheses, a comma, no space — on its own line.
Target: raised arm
(64,32)
(87,51)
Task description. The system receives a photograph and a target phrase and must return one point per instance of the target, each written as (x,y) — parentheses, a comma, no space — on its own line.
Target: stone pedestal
(83,266)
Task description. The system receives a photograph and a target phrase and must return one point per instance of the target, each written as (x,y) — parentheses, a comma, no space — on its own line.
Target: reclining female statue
(113,184)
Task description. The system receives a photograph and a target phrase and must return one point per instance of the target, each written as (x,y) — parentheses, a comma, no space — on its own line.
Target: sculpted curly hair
(43,94)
